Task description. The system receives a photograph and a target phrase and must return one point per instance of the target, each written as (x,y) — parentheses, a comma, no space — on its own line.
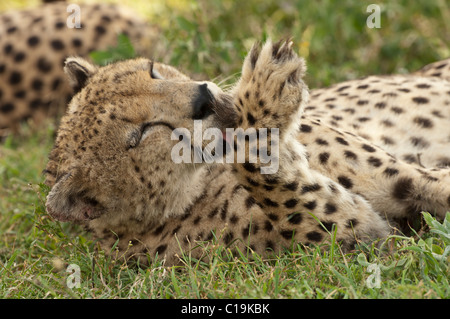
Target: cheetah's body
(111,168)
(34,44)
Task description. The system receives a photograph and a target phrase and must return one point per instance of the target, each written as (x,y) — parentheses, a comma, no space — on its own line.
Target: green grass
(209,39)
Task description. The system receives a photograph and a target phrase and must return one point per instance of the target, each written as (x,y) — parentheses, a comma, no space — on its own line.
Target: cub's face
(113,156)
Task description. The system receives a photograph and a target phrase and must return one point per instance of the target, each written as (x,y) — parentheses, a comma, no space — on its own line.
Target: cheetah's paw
(271,90)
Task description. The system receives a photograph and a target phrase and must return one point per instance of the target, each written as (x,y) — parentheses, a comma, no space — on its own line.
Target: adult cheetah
(111,167)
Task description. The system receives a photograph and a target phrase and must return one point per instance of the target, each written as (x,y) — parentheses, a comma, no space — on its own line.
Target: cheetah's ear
(79,71)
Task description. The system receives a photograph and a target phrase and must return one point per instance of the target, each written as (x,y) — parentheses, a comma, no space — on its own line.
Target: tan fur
(119,180)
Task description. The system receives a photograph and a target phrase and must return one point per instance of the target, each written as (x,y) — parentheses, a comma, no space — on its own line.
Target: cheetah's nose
(203,103)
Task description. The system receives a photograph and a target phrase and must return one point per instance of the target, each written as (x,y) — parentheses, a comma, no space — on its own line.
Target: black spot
(437,114)
(328,226)
(56,83)
(43,65)
(350,155)
(380,105)
(224,210)
(290,203)
(19,57)
(250,201)
(271,180)
(363,86)
(330,208)
(376,162)
(390,172)
(342,88)
(161,249)
(310,188)
(255,228)
(57,45)
(387,123)
(33,41)
(345,181)
(251,119)
(15,78)
(403,187)
(20,94)
(77,43)
(310,205)
(11,30)
(387,140)
(419,142)
(34,104)
(100,30)
(7,49)
(252,182)
(268,226)
(228,237)
(106,19)
(272,217)
(323,157)
(59,25)
(176,230)
(390,94)
(349,110)
(340,140)
(362,102)
(6,108)
(37,84)
(368,148)
(295,218)
(291,186)
(321,141)
(197,220)
(410,158)
(420,100)
(305,128)
(287,234)
(213,213)
(314,236)
(352,223)
(269,245)
(423,122)
(246,231)
(397,110)
(249,167)
(159,230)
(269,202)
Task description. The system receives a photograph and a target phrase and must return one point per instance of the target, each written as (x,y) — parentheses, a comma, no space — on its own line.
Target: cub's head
(113,155)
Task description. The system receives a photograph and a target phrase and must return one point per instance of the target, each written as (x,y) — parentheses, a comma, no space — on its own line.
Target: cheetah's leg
(271,94)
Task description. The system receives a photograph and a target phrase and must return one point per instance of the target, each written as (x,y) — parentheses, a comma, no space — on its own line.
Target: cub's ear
(78,71)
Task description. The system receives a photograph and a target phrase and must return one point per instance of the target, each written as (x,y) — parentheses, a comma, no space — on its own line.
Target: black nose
(203,103)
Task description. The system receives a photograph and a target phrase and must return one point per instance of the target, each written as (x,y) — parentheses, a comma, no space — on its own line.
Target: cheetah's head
(112,156)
